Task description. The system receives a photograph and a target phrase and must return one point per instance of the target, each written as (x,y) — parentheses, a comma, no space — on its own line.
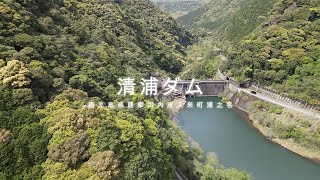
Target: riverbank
(177,105)
(291,130)
(289,144)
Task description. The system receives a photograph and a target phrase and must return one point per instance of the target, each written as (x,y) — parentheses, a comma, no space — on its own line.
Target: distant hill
(178,8)
(227,20)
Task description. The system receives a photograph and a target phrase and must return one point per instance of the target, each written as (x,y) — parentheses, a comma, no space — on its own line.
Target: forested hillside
(274,43)
(227,20)
(219,25)
(55,56)
(178,8)
(284,52)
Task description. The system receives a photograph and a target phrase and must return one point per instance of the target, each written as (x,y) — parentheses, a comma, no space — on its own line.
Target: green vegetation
(219,25)
(293,127)
(273,43)
(202,61)
(213,170)
(109,143)
(284,53)
(226,21)
(179,7)
(55,57)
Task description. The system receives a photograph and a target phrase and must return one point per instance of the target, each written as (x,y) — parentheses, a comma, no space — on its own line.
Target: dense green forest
(178,8)
(55,56)
(273,43)
(284,52)
(226,21)
(219,24)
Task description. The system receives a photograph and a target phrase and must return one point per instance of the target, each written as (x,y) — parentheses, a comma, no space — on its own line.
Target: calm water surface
(238,145)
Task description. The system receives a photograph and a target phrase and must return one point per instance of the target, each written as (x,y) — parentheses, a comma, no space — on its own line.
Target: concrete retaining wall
(212,89)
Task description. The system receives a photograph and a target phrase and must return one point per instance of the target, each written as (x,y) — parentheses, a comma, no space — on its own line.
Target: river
(237,144)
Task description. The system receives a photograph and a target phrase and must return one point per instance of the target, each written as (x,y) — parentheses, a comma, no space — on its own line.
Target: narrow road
(274,100)
(281,103)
